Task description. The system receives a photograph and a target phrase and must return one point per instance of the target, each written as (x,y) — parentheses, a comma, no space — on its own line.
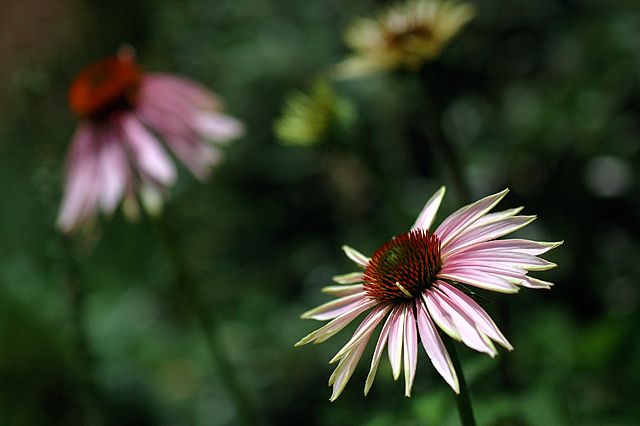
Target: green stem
(83,356)
(462,399)
(440,143)
(386,188)
(210,325)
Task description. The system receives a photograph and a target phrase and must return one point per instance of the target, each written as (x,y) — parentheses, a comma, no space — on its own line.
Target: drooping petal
(199,156)
(428,214)
(410,348)
(434,347)
(377,354)
(147,151)
(218,127)
(467,331)
(181,139)
(440,316)
(396,336)
(478,315)
(363,331)
(345,369)
(114,170)
(337,324)
(336,307)
(77,179)
(83,185)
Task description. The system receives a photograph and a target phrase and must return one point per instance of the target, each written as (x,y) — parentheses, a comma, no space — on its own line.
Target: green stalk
(463,401)
(84,359)
(210,325)
(444,149)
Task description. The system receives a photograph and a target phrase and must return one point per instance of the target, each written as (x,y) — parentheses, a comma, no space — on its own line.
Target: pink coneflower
(416,281)
(116,151)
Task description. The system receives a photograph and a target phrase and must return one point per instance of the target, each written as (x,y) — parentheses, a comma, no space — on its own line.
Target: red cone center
(403,267)
(103,86)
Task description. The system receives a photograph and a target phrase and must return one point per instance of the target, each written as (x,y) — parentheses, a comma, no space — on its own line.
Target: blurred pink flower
(116,151)
(416,280)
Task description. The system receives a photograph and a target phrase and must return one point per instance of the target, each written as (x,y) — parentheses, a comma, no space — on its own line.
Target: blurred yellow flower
(308,119)
(405,36)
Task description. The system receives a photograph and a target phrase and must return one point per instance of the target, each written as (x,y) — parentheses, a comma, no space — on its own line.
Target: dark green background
(542,97)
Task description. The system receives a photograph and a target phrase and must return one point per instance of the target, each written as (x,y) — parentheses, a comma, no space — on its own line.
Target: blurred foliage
(542,97)
(311,119)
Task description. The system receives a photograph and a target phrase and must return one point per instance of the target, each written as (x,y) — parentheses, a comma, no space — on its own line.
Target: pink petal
(410,348)
(81,195)
(345,369)
(440,316)
(435,348)
(337,324)
(490,218)
(218,127)
(336,307)
(356,256)
(514,276)
(536,283)
(500,258)
(147,151)
(114,170)
(466,216)
(177,127)
(396,336)
(173,87)
(428,214)
(513,245)
(363,331)
(478,315)
(480,279)
(343,290)
(354,277)
(486,233)
(467,332)
(377,354)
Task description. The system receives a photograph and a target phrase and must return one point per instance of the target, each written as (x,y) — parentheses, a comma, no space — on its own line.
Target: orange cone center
(104,86)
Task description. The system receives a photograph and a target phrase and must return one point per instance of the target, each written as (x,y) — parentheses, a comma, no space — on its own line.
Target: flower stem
(463,401)
(84,359)
(440,143)
(210,325)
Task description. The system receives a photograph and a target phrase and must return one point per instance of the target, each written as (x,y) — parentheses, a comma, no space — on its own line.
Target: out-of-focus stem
(210,325)
(440,142)
(84,359)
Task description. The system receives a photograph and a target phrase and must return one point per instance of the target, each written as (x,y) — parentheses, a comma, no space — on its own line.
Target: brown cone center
(403,267)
